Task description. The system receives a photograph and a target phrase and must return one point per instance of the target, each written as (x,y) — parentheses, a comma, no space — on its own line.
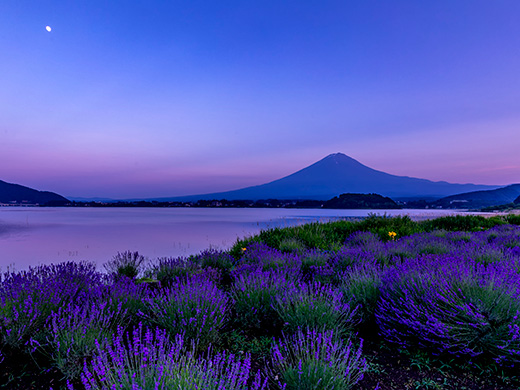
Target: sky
(128,99)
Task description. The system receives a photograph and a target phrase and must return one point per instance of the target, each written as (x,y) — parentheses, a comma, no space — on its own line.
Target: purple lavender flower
(316,360)
(74,330)
(29,297)
(254,294)
(452,305)
(196,308)
(361,286)
(315,306)
(170,269)
(270,258)
(149,359)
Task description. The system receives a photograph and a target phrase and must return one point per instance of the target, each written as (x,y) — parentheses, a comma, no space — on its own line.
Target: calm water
(33,236)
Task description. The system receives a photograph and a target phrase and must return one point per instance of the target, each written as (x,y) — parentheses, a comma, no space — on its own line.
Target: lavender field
(385,303)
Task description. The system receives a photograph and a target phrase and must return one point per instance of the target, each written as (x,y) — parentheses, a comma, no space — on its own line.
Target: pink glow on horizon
(127,173)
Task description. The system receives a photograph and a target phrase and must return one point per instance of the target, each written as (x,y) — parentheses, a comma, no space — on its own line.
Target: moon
(48,28)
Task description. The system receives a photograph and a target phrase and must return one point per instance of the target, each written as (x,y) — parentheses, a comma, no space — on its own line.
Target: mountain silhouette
(481,199)
(338,174)
(15,193)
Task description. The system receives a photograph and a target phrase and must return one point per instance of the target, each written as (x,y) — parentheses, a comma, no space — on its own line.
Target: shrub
(365,240)
(196,308)
(254,294)
(315,266)
(213,258)
(73,331)
(484,254)
(125,295)
(127,264)
(361,286)
(147,359)
(370,245)
(462,223)
(316,360)
(513,219)
(170,269)
(315,306)
(331,235)
(382,225)
(346,257)
(29,297)
(269,258)
(291,245)
(311,235)
(452,305)
(505,236)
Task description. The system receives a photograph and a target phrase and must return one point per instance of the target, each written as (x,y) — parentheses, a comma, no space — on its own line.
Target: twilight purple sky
(128,99)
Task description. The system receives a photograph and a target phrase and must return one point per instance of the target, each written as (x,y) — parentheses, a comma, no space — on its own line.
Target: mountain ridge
(17,194)
(482,199)
(336,174)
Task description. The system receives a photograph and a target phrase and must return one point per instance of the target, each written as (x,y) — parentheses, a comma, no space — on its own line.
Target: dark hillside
(17,194)
(481,199)
(360,201)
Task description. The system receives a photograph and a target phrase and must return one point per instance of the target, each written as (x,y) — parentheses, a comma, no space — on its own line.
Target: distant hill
(338,174)
(481,199)
(360,201)
(17,194)
(95,199)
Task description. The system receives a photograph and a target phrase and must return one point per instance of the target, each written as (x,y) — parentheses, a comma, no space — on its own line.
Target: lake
(31,236)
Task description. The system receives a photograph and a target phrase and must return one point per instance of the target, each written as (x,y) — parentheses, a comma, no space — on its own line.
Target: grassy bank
(331,236)
(382,303)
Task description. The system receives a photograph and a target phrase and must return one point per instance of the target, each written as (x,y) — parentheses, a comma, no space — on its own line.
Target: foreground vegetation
(382,303)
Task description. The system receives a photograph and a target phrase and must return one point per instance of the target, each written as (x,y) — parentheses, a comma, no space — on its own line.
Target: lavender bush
(195,307)
(315,306)
(254,294)
(168,270)
(452,305)
(144,359)
(344,258)
(73,331)
(125,296)
(361,285)
(147,359)
(212,258)
(269,258)
(128,264)
(28,298)
(315,266)
(496,244)
(291,245)
(505,236)
(316,360)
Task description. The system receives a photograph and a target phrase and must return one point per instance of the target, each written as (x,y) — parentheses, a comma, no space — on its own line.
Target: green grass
(332,235)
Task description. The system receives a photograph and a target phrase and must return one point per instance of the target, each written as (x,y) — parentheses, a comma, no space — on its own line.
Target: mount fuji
(338,174)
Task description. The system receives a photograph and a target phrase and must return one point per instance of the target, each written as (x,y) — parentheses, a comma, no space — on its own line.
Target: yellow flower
(392,235)
(244,249)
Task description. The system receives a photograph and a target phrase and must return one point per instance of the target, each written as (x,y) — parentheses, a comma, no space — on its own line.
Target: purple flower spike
(453,305)
(149,359)
(196,308)
(316,360)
